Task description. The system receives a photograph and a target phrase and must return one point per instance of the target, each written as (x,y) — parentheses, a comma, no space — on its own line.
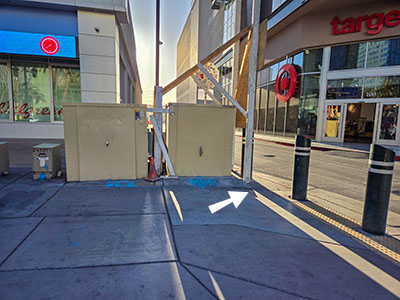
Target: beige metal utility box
(46,160)
(200,139)
(105,141)
(4,158)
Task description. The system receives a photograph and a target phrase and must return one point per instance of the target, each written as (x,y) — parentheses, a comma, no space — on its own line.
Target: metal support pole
(157,42)
(252,90)
(301,165)
(243,151)
(379,183)
(158,124)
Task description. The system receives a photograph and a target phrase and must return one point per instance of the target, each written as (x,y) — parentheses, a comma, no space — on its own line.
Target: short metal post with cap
(379,183)
(300,169)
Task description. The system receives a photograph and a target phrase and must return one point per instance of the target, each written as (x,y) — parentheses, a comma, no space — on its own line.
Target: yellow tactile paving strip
(361,237)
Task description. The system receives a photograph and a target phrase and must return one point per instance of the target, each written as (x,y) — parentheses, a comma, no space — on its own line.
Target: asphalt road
(340,172)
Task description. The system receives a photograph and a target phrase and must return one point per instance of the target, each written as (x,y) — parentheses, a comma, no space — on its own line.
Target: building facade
(53,52)
(209,25)
(345,55)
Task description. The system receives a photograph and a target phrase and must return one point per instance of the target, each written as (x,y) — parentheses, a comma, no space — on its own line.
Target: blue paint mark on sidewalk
(76,243)
(120,183)
(203,182)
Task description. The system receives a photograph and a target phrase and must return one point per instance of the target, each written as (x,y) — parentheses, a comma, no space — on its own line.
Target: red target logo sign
(49,45)
(286,82)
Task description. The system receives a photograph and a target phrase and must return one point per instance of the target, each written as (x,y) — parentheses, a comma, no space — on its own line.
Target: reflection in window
(31,92)
(280,117)
(277,3)
(66,88)
(390,114)
(309,96)
(312,60)
(263,106)
(344,88)
(271,109)
(347,57)
(228,20)
(225,72)
(4,103)
(382,87)
(383,53)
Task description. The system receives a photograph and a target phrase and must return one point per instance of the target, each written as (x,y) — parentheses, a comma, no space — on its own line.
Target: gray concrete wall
(211,28)
(187,55)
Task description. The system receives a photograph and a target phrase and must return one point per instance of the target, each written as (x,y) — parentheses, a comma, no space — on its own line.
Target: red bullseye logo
(286,82)
(49,45)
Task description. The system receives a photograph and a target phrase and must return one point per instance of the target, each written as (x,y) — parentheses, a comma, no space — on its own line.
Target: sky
(173,16)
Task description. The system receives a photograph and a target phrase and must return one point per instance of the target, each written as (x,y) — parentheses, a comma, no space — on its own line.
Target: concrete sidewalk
(98,241)
(134,240)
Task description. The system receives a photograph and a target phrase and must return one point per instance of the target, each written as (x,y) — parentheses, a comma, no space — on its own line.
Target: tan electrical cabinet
(200,139)
(46,160)
(4,158)
(105,141)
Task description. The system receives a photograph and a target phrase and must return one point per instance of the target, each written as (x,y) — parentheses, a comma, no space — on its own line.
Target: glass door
(333,127)
(387,132)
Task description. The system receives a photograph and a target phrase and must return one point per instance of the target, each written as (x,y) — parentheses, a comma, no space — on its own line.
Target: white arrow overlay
(235,197)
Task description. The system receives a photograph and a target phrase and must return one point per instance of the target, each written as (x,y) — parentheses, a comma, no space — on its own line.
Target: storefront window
(256,109)
(66,88)
(31,92)
(280,117)
(4,103)
(382,87)
(309,96)
(263,106)
(383,53)
(390,113)
(312,61)
(344,88)
(347,57)
(271,109)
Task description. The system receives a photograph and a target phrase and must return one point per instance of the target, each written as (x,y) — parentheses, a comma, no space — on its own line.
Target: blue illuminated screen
(12,42)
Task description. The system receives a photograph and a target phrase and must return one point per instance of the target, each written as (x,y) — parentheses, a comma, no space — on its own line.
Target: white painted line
(379,276)
(303,148)
(301,153)
(380,171)
(381,163)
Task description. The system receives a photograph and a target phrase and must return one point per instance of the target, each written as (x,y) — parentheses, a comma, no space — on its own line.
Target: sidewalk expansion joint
(249,281)
(92,266)
(16,179)
(361,237)
(199,281)
(170,225)
(21,242)
(44,203)
(94,215)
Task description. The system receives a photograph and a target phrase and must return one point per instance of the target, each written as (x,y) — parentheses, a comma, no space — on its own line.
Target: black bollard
(377,195)
(300,168)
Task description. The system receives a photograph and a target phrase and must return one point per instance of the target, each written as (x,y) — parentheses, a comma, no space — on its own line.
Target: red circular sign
(49,45)
(286,82)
